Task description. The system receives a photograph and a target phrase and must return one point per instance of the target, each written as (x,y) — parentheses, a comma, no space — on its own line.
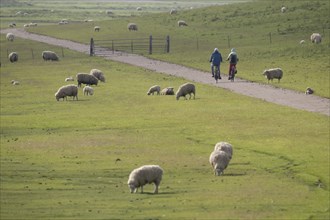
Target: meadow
(71,159)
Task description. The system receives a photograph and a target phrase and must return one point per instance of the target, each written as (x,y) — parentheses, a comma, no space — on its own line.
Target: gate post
(91,49)
(167,44)
(150,44)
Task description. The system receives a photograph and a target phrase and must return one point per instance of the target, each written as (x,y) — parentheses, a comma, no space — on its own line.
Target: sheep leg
(156,188)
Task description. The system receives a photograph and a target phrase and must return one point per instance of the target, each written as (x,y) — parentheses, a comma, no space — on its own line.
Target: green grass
(58,159)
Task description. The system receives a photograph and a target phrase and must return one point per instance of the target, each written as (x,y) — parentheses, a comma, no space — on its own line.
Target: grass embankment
(58,159)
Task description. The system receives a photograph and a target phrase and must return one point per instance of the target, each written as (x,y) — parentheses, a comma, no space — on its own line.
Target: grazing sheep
(309,91)
(143,175)
(185,89)
(275,73)
(219,161)
(153,89)
(10,37)
(182,23)
(132,27)
(167,91)
(98,74)
(302,42)
(226,147)
(68,90)
(316,38)
(15,82)
(12,25)
(63,22)
(97,28)
(139,9)
(49,55)
(13,57)
(108,12)
(26,25)
(283,9)
(87,79)
(173,11)
(69,79)
(88,90)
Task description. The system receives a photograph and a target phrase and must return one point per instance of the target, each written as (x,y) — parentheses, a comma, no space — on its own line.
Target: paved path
(262,91)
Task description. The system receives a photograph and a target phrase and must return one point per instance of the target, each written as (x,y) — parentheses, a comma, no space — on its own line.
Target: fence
(138,46)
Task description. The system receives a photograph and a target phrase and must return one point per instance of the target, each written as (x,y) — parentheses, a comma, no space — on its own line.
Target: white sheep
(132,27)
(97,28)
(226,147)
(309,91)
(15,82)
(98,74)
(219,161)
(49,55)
(70,78)
(67,90)
(173,11)
(85,78)
(186,89)
(139,9)
(275,73)
(302,42)
(10,37)
(13,57)
(167,91)
(88,90)
(316,38)
(143,175)
(283,9)
(182,23)
(153,89)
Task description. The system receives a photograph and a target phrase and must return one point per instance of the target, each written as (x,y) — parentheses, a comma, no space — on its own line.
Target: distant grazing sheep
(143,175)
(63,22)
(302,42)
(68,90)
(182,23)
(139,9)
(13,57)
(10,37)
(275,73)
(186,89)
(132,27)
(49,55)
(219,161)
(226,147)
(173,11)
(33,24)
(283,9)
(108,12)
(167,91)
(15,82)
(88,90)
(153,89)
(12,25)
(85,78)
(309,91)
(97,28)
(98,74)
(316,38)
(69,79)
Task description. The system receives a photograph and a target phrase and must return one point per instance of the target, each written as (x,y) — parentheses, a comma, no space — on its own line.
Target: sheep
(153,89)
(88,90)
(26,25)
(63,22)
(10,37)
(13,57)
(173,11)
(98,74)
(226,147)
(11,25)
(67,90)
(302,42)
(69,79)
(275,73)
(132,27)
(15,82)
(167,91)
(143,175)
(87,79)
(219,161)
(182,23)
(49,55)
(309,91)
(283,9)
(97,28)
(316,38)
(185,89)
(139,9)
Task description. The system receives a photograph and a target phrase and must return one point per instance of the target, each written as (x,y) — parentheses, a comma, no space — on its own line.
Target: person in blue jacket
(215,60)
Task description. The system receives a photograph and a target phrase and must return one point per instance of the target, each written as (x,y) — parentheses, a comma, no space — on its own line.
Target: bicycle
(217,73)
(232,73)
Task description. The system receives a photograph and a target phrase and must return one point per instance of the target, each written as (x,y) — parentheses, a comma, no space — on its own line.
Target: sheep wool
(153,89)
(226,147)
(67,90)
(97,28)
(316,38)
(49,55)
(167,91)
(98,74)
(10,37)
(88,90)
(13,57)
(219,161)
(132,27)
(275,73)
(185,89)
(182,23)
(85,78)
(143,175)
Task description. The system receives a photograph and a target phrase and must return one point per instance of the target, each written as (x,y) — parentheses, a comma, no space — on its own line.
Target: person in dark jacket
(233,59)
(215,60)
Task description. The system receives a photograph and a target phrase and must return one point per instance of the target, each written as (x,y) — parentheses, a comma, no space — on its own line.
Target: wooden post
(167,43)
(91,50)
(150,44)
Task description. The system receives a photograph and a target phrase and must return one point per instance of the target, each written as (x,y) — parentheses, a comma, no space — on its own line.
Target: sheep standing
(316,38)
(87,79)
(219,161)
(10,37)
(182,23)
(143,175)
(185,89)
(98,74)
(68,90)
(173,11)
(226,147)
(13,57)
(97,28)
(88,90)
(153,89)
(275,73)
(132,27)
(167,91)
(49,55)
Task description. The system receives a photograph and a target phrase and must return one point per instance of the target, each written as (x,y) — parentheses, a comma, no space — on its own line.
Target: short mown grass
(71,159)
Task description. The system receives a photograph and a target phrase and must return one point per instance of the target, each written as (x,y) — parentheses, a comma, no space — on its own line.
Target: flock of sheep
(184,90)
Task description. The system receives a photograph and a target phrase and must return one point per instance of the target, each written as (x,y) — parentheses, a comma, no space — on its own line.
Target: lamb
(49,55)
(67,90)
(182,23)
(185,89)
(97,28)
(13,57)
(88,90)
(87,79)
(309,91)
(10,37)
(69,79)
(132,27)
(275,73)
(143,175)
(98,74)
(316,38)
(226,147)
(153,89)
(219,161)
(167,91)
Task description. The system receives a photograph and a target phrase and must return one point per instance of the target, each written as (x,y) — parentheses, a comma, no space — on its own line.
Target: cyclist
(233,59)
(215,60)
